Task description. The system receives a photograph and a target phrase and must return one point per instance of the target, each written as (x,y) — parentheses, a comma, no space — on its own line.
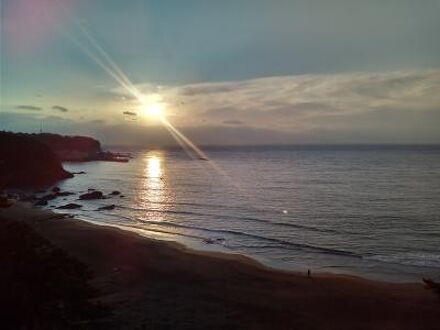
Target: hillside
(25,161)
(70,148)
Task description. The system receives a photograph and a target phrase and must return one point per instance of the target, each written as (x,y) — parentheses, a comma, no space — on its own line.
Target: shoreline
(196,247)
(242,258)
(212,253)
(152,283)
(181,247)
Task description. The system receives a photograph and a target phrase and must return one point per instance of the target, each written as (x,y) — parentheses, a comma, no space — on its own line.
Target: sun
(155,110)
(152,106)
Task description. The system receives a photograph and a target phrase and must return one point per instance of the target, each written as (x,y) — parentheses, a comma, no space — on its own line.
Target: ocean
(371,211)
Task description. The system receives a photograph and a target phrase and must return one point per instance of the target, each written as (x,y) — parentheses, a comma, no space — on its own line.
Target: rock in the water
(5,202)
(92,195)
(107,207)
(56,190)
(65,193)
(70,206)
(115,193)
(48,197)
(28,198)
(41,202)
(214,240)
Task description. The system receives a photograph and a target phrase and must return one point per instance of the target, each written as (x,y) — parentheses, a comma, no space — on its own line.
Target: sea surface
(372,211)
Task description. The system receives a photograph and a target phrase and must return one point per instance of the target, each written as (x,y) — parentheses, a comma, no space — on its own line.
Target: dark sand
(157,285)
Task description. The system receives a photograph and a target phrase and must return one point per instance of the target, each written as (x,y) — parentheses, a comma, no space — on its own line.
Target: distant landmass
(35,159)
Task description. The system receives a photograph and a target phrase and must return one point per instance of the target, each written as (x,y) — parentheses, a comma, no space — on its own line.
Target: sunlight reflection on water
(152,192)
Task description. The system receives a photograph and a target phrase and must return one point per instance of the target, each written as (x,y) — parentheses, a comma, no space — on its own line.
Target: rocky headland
(32,160)
(27,162)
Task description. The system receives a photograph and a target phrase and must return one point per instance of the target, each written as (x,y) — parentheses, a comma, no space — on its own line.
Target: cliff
(77,148)
(70,148)
(25,162)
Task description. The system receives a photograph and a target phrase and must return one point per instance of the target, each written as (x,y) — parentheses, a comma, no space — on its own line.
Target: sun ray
(154,109)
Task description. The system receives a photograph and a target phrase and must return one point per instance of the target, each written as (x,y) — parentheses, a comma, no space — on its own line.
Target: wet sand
(159,285)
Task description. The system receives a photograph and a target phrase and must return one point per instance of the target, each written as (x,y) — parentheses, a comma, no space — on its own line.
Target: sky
(224,72)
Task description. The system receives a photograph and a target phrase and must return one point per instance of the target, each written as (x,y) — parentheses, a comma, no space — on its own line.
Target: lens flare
(151,105)
(155,110)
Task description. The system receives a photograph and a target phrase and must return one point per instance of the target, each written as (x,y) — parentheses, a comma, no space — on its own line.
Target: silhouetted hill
(70,148)
(25,161)
(77,148)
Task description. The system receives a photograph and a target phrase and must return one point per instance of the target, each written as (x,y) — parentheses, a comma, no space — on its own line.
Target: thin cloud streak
(60,108)
(28,107)
(287,102)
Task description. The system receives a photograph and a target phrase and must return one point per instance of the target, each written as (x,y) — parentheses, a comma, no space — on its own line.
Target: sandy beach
(153,284)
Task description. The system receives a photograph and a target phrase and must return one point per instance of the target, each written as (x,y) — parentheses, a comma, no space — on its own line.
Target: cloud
(97,121)
(233,122)
(29,107)
(198,89)
(359,107)
(60,108)
(399,106)
(308,103)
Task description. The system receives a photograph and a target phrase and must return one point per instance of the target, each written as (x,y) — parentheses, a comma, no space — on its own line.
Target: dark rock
(41,202)
(56,189)
(65,193)
(48,197)
(91,189)
(115,193)
(28,198)
(5,202)
(214,240)
(81,172)
(110,157)
(121,196)
(107,207)
(70,206)
(92,195)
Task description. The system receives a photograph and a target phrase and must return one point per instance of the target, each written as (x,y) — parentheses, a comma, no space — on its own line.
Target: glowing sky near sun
(225,72)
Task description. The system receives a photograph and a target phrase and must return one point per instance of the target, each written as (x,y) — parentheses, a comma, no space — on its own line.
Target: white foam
(418,259)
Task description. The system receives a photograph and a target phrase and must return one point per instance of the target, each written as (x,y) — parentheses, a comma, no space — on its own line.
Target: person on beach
(309,273)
